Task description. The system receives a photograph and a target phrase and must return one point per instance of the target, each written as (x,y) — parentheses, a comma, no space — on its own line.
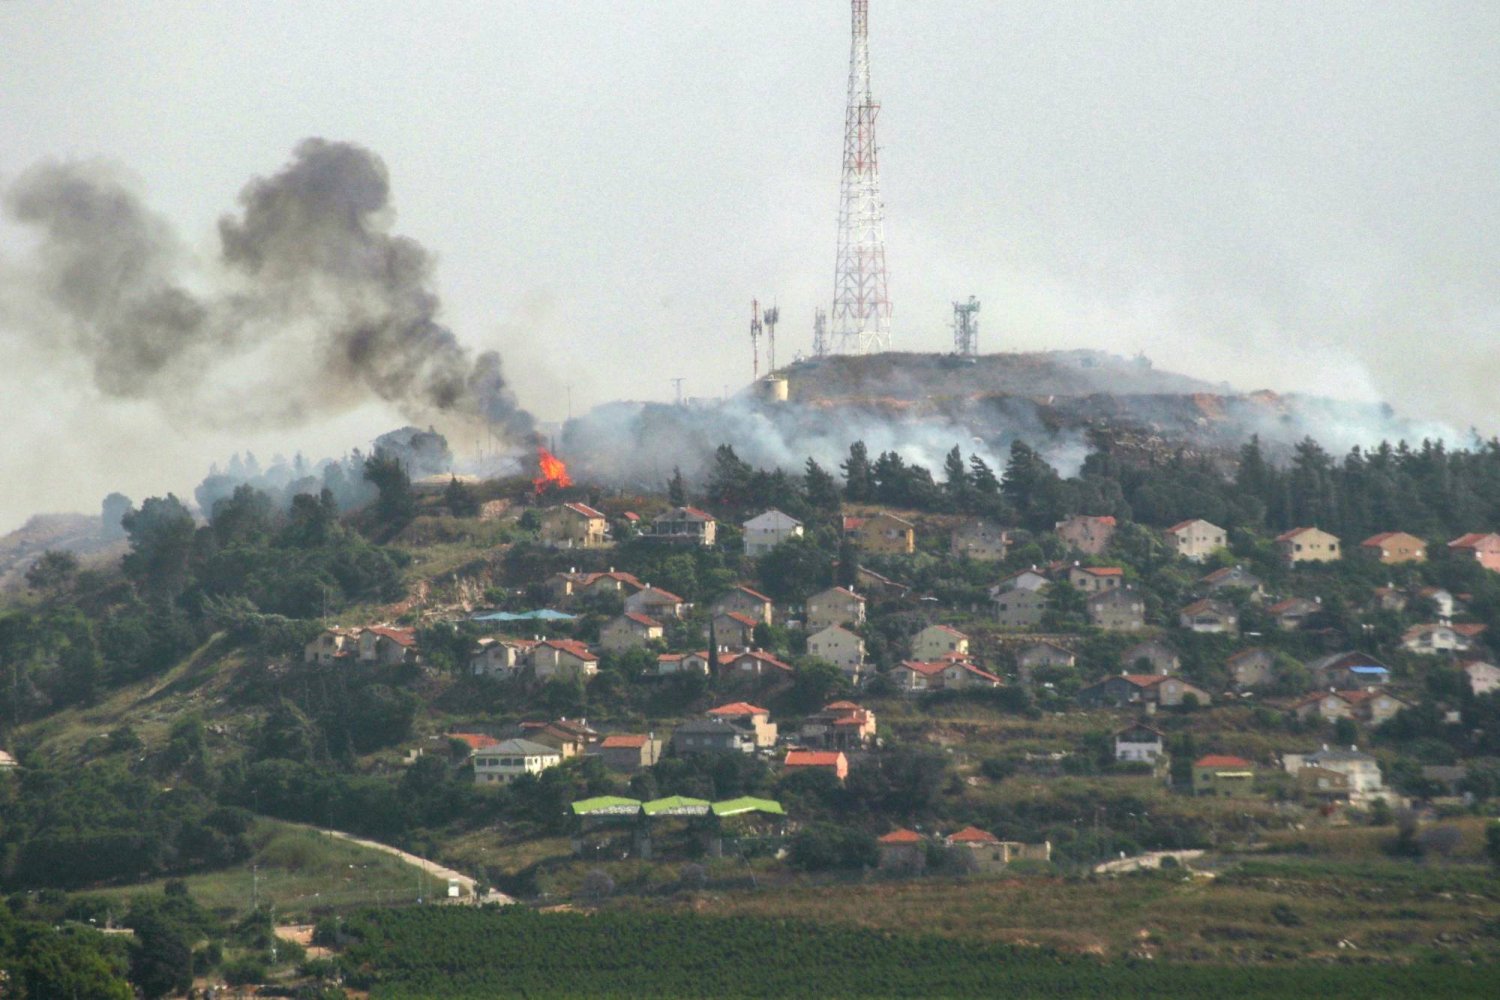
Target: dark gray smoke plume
(313,305)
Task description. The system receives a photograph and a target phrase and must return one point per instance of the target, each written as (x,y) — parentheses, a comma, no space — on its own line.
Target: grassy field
(299,871)
(1261,911)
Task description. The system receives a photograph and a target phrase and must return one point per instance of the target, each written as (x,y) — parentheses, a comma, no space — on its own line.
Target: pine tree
(677,489)
(859,485)
(820,487)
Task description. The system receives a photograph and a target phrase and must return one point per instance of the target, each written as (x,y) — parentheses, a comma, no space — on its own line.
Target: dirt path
(446,876)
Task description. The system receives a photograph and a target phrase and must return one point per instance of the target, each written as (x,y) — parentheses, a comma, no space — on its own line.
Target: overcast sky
(1298,196)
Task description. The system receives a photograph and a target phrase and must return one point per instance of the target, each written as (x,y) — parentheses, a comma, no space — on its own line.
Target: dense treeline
(1430,491)
(79,826)
(458,953)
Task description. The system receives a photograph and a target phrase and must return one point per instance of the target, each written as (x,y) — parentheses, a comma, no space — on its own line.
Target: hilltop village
(751,684)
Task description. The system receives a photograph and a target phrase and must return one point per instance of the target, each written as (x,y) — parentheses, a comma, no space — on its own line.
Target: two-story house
(1140,742)
(1251,668)
(574,526)
(1483,548)
(630,631)
(1301,545)
(1223,775)
(1120,609)
(937,641)
(840,647)
(980,540)
(834,606)
(562,658)
(842,725)
(684,526)
(749,717)
(764,532)
(1208,615)
(657,603)
(1151,657)
(743,600)
(1196,540)
(882,533)
(504,762)
(1093,579)
(1391,547)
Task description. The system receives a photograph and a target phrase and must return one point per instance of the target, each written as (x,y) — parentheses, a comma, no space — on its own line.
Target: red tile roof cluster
(1102,570)
(641,619)
(901,837)
(813,758)
(759,656)
(738,708)
(571,646)
(585,510)
(624,741)
(400,636)
(475,741)
(742,619)
(1474,539)
(973,835)
(1223,760)
(656,595)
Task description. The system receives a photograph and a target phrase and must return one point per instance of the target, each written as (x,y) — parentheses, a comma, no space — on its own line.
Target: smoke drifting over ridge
(312,307)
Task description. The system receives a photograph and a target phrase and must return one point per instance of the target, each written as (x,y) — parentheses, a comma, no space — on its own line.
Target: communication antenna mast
(820,333)
(755,339)
(770,318)
(677,384)
(966,328)
(861,303)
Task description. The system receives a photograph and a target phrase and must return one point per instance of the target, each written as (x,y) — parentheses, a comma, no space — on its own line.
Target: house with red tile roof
(755,662)
(980,850)
(1196,539)
(750,717)
(1483,548)
(627,753)
(474,741)
(682,663)
(732,630)
(658,603)
(745,601)
(1093,579)
(574,526)
(562,658)
(842,725)
(1231,578)
(832,761)
(834,606)
(1391,547)
(1302,545)
(882,533)
(935,641)
(386,644)
(1124,690)
(630,631)
(903,851)
(947,674)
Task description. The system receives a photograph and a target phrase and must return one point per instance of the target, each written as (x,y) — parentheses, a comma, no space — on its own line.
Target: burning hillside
(921,405)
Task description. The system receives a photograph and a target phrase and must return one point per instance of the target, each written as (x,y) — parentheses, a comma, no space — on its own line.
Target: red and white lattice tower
(861,304)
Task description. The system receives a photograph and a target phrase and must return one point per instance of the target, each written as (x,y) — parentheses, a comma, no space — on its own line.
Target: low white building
(504,762)
(1139,743)
(764,532)
(1483,676)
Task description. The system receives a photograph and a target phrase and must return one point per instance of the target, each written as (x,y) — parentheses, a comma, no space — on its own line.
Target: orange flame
(553,472)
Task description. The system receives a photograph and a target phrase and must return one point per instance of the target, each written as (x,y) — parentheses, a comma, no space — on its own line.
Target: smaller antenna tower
(966,328)
(755,339)
(820,333)
(770,317)
(677,384)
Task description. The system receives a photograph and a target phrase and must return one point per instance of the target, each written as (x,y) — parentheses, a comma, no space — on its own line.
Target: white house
(504,762)
(766,531)
(1139,743)
(1483,676)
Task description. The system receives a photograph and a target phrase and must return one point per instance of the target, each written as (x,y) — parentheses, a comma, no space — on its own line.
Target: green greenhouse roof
(677,805)
(606,805)
(734,807)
